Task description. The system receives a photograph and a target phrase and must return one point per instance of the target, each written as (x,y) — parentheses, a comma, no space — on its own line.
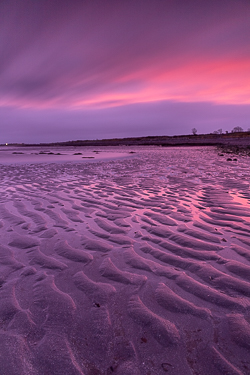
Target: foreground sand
(132,266)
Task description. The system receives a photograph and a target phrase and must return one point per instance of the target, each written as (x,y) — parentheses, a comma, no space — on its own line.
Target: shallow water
(139,264)
(57,154)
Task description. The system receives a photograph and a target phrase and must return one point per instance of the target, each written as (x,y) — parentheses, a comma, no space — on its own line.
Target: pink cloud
(93,55)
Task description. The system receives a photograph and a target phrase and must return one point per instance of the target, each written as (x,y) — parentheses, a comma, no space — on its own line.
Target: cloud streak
(80,56)
(96,55)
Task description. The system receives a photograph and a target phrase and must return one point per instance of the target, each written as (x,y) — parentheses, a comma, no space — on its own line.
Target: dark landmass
(240,139)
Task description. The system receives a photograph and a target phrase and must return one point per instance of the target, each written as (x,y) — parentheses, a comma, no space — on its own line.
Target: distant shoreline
(241,139)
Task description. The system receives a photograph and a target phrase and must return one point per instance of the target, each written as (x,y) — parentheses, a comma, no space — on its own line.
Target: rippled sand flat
(135,263)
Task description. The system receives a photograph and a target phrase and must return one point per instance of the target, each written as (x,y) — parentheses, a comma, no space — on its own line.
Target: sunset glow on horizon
(98,56)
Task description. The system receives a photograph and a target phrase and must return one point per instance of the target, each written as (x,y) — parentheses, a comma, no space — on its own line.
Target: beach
(124,260)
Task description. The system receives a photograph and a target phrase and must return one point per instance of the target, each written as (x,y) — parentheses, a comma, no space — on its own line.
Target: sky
(75,69)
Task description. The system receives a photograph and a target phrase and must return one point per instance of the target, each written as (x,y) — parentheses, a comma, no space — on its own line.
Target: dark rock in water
(229,159)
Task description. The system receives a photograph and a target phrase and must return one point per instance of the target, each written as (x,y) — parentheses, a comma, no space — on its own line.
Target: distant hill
(237,138)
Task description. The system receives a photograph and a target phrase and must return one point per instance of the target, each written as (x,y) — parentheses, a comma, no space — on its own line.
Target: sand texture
(138,265)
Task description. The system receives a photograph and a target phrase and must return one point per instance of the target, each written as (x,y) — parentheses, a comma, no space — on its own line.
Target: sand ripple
(133,266)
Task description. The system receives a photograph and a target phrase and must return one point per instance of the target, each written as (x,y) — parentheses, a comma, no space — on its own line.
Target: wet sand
(132,264)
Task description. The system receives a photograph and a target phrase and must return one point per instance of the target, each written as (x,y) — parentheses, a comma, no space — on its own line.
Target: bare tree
(237,129)
(194,131)
(219,131)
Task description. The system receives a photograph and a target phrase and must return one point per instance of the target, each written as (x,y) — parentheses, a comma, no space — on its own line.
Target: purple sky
(102,69)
